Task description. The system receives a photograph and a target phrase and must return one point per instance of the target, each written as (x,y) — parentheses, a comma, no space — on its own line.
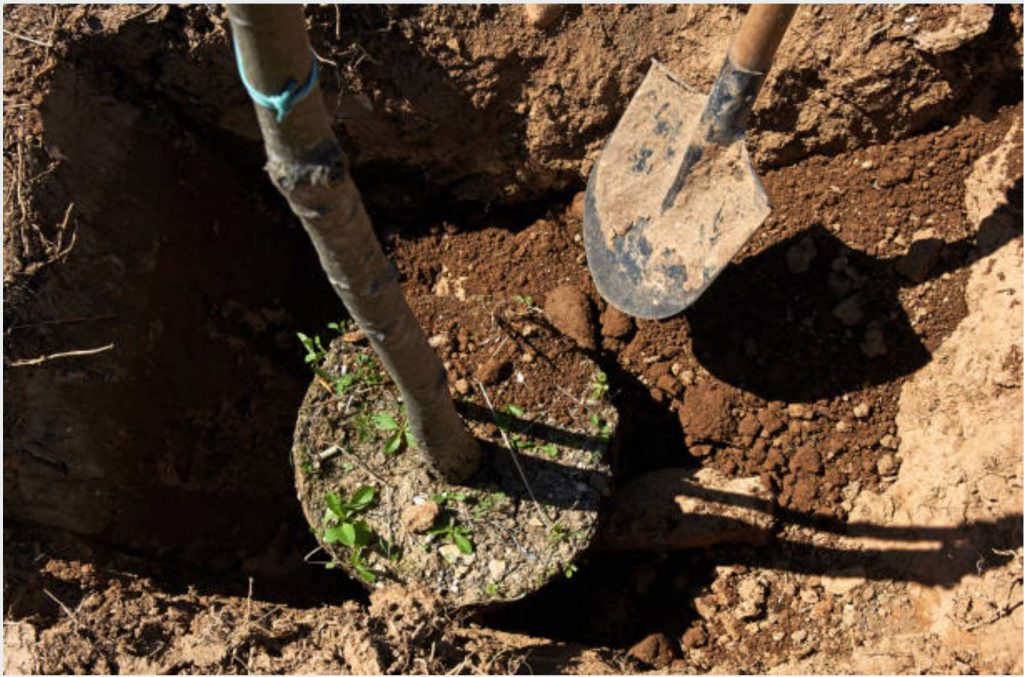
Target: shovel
(673,196)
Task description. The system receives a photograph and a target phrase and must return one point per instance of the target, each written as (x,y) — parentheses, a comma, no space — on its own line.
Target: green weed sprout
(449,529)
(398,435)
(315,351)
(340,526)
(598,386)
(453,532)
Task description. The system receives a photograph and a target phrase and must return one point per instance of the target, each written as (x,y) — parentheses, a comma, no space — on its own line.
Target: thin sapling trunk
(308,167)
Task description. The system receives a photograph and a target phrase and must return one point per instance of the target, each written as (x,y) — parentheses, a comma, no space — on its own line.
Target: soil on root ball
(527,515)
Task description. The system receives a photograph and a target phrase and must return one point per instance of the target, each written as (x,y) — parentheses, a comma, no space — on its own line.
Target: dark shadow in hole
(173,445)
(778,334)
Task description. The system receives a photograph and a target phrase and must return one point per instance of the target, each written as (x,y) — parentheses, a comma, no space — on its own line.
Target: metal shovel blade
(653,251)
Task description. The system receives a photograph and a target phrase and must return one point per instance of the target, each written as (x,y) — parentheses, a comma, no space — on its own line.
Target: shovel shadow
(834,329)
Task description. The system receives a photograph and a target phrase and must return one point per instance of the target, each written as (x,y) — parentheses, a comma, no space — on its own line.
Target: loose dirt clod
(921,258)
(418,518)
(655,650)
(572,313)
(704,415)
(494,371)
(616,324)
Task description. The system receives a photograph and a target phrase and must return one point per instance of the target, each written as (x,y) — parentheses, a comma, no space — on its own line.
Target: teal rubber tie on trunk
(283,102)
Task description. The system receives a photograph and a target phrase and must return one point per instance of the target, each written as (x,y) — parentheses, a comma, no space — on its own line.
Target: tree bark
(308,167)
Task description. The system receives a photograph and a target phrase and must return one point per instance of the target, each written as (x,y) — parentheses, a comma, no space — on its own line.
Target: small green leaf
(515,411)
(335,506)
(462,543)
(364,572)
(345,382)
(363,533)
(385,421)
(333,534)
(393,444)
(523,443)
(443,528)
(363,497)
(550,449)
(346,534)
(410,441)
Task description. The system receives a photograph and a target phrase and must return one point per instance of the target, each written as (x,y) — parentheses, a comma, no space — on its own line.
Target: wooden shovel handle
(754,46)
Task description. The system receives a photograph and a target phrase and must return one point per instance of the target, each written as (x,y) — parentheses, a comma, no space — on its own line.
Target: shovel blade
(649,259)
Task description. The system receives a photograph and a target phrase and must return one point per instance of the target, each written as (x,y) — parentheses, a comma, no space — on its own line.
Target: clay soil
(860,358)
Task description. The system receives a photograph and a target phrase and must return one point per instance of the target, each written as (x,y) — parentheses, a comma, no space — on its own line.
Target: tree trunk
(310,170)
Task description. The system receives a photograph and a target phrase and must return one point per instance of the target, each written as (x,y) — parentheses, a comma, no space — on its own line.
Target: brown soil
(150,516)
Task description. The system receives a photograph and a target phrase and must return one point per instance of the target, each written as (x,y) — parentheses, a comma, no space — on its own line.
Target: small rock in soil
(438,341)
(655,650)
(542,16)
(494,371)
(669,384)
(924,253)
(571,312)
(753,594)
(749,426)
(462,386)
(800,255)
(695,637)
(886,465)
(770,421)
(862,410)
(896,173)
(849,311)
(807,459)
(578,202)
(797,410)
(450,552)
(497,568)
(418,518)
(615,323)
(700,450)
(889,441)
(705,413)
(809,596)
